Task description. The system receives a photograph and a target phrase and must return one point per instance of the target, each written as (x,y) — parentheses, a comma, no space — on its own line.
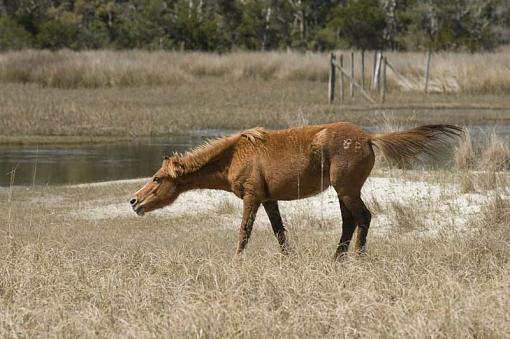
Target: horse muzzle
(137,207)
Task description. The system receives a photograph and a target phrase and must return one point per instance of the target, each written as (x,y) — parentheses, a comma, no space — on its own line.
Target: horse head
(161,190)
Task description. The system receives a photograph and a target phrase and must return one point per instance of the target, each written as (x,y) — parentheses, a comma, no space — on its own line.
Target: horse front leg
(273,212)
(250,207)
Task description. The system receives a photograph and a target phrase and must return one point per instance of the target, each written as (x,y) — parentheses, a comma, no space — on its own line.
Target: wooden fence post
(331,87)
(383,80)
(341,62)
(427,70)
(377,73)
(373,70)
(363,68)
(352,74)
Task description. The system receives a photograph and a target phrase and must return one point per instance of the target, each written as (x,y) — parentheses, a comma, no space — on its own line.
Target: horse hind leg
(275,218)
(348,226)
(362,218)
(354,212)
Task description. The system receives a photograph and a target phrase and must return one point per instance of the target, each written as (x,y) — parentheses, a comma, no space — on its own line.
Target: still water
(54,165)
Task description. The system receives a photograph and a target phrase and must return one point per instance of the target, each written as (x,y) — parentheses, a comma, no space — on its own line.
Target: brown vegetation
(34,114)
(492,154)
(67,274)
(479,73)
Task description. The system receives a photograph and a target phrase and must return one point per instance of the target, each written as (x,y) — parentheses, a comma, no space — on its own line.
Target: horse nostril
(133,201)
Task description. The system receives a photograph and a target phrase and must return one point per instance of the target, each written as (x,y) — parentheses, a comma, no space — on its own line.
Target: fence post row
(378,79)
(354,83)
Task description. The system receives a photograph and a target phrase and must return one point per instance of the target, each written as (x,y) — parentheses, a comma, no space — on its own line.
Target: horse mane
(191,161)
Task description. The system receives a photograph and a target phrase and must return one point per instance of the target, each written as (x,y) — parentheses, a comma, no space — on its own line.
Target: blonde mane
(191,161)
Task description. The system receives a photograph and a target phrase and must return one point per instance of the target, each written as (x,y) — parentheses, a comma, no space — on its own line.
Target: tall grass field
(482,73)
(75,261)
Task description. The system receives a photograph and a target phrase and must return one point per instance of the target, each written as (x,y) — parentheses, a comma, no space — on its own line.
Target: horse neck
(210,176)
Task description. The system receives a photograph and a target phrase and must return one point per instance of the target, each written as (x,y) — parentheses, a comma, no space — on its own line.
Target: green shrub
(13,35)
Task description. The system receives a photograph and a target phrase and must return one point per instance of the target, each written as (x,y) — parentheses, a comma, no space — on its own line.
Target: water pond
(57,165)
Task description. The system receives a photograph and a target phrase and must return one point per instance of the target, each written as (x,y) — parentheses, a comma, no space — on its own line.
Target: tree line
(225,25)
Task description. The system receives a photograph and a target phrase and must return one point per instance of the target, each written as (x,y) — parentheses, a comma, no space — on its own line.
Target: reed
(479,73)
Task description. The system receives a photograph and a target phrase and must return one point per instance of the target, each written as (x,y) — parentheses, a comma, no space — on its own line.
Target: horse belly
(296,184)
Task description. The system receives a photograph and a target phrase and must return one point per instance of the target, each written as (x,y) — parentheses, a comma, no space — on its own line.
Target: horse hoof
(238,257)
(287,251)
(340,256)
(362,251)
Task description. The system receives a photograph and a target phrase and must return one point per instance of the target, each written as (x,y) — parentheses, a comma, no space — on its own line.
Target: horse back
(294,163)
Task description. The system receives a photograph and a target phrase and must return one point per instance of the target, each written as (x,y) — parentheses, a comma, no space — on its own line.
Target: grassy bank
(128,112)
(76,262)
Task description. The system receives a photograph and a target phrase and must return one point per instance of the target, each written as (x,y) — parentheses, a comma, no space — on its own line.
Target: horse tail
(403,147)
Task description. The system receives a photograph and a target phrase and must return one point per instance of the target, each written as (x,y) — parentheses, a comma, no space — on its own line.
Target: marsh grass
(69,276)
(490,156)
(67,96)
(464,155)
(450,72)
(225,207)
(407,217)
(496,211)
(492,153)
(467,181)
(496,154)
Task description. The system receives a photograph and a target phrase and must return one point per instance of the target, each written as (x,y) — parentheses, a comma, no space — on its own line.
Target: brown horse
(263,166)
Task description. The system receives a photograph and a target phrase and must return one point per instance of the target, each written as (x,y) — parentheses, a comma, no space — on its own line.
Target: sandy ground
(433,206)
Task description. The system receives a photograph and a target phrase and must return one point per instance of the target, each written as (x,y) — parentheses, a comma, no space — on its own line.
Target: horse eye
(157,180)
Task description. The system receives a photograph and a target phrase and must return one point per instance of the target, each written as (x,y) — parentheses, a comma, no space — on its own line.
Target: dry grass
(407,217)
(225,207)
(488,157)
(473,73)
(68,69)
(56,114)
(464,155)
(482,73)
(496,155)
(63,275)
(467,182)
(491,155)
